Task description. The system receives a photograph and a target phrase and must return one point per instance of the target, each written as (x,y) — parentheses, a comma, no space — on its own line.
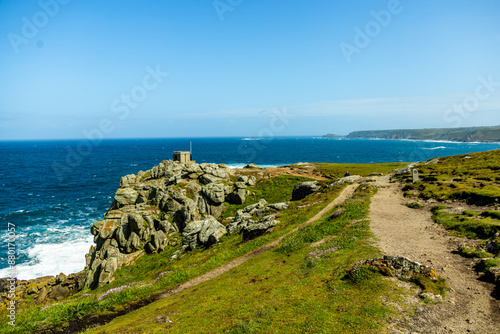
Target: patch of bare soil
(470,306)
(303,169)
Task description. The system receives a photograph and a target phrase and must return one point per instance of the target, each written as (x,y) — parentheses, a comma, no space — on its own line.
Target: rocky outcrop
(203,233)
(400,267)
(304,189)
(254,229)
(406,170)
(152,207)
(345,179)
(42,289)
(248,223)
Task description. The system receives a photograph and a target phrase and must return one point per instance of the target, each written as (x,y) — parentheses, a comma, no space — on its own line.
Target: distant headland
(485,134)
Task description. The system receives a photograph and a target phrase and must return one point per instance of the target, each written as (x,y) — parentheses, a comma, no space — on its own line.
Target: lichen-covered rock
(211,231)
(304,189)
(237,197)
(126,196)
(254,229)
(215,192)
(405,170)
(250,209)
(136,222)
(345,179)
(401,267)
(190,234)
(239,222)
(158,242)
(208,178)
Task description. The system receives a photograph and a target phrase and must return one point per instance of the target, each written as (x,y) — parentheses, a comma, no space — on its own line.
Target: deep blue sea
(52,191)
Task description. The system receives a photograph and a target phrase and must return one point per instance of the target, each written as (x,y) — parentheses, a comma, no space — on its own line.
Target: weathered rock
(96,227)
(215,210)
(122,235)
(239,222)
(133,243)
(211,231)
(254,207)
(304,189)
(170,205)
(190,234)
(237,197)
(345,179)
(254,229)
(157,243)
(401,267)
(252,181)
(432,297)
(243,178)
(126,196)
(279,206)
(166,227)
(127,180)
(113,214)
(405,170)
(108,228)
(136,222)
(215,192)
(208,178)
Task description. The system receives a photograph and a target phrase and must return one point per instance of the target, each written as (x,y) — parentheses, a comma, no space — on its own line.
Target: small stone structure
(414,173)
(182,156)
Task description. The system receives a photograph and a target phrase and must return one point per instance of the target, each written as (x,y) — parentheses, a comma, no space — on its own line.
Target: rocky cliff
(170,204)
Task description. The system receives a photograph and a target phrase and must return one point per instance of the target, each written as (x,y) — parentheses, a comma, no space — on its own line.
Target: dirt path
(469,307)
(346,193)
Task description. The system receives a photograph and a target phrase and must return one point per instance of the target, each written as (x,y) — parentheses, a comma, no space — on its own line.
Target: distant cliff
(472,134)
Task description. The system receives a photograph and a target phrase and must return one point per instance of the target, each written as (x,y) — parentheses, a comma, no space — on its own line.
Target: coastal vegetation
(474,180)
(470,134)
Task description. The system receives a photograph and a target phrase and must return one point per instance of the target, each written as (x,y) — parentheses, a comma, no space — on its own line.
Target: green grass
(414,205)
(470,224)
(274,190)
(473,178)
(438,287)
(335,171)
(473,253)
(279,291)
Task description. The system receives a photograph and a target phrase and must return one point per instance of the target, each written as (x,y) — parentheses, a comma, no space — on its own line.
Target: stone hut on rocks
(182,156)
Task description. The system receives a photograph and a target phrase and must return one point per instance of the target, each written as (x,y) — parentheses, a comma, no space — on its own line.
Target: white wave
(53,258)
(434,148)
(253,138)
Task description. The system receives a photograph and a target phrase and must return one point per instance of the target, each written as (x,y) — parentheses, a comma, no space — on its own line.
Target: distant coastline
(486,134)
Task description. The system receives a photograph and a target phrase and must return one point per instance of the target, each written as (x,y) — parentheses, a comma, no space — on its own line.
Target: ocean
(52,191)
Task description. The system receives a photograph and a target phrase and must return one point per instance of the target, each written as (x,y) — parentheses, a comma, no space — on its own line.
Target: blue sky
(178,68)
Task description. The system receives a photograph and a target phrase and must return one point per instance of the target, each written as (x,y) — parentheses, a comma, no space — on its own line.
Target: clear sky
(186,68)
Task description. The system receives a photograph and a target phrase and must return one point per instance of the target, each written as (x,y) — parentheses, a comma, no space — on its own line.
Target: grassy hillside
(472,134)
(473,178)
(300,287)
(335,170)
